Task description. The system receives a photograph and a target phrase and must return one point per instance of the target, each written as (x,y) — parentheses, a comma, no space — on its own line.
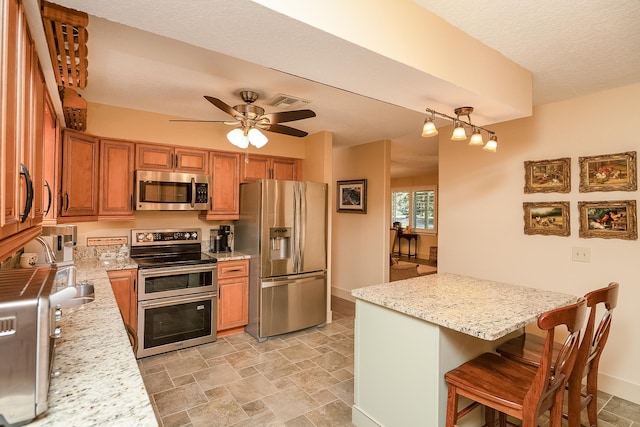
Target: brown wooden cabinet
(255,166)
(224,187)
(51,166)
(116,180)
(170,158)
(79,189)
(233,296)
(21,131)
(124,285)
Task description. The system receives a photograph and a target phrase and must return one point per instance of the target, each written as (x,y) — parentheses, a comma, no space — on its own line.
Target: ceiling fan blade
(221,105)
(200,121)
(288,116)
(286,130)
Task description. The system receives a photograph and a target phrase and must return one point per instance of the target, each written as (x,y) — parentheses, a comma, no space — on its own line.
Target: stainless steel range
(177,290)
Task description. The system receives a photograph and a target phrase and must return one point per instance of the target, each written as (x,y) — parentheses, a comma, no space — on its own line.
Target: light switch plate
(581,254)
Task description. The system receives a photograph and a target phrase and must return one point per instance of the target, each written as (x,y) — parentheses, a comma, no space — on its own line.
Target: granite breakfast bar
(409,333)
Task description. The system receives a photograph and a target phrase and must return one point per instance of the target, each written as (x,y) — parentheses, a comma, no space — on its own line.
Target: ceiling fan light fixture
(257,138)
(238,138)
(429,128)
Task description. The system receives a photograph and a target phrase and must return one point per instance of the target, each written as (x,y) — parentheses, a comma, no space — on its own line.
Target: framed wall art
(547,218)
(608,220)
(547,176)
(351,196)
(611,172)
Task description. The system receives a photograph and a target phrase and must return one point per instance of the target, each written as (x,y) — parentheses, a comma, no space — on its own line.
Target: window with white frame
(416,208)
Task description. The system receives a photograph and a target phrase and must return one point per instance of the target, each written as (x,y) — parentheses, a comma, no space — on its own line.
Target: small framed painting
(351,196)
(611,172)
(547,176)
(609,220)
(547,218)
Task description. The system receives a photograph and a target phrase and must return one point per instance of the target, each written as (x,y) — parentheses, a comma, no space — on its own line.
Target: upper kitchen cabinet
(21,127)
(225,174)
(79,189)
(51,135)
(170,158)
(256,166)
(116,179)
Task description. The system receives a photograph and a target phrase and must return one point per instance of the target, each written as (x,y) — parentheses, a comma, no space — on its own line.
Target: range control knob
(140,237)
(58,314)
(149,237)
(57,333)
(194,235)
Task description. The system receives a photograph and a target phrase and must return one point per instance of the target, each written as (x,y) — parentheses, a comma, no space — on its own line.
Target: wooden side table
(409,237)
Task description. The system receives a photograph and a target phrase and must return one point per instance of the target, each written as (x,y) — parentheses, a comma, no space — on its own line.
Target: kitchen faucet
(49,256)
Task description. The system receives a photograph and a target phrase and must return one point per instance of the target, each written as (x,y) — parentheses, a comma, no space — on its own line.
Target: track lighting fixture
(459,129)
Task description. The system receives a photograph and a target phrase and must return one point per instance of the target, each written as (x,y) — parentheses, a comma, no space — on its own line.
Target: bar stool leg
(452,407)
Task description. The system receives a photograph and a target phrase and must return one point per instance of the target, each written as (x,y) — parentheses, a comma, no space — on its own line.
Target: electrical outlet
(108,255)
(581,254)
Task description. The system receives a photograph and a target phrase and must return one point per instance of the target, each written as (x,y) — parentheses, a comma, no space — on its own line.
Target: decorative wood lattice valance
(74,109)
(67,40)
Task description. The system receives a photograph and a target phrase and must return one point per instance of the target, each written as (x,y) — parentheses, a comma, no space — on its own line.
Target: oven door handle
(163,302)
(173,271)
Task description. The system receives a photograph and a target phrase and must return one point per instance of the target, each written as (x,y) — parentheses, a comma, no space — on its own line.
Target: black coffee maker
(221,242)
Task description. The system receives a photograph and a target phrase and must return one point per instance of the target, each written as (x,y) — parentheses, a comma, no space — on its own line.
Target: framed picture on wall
(547,176)
(547,218)
(351,196)
(608,220)
(611,172)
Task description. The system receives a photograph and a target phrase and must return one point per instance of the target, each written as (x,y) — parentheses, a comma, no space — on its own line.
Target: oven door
(176,281)
(173,323)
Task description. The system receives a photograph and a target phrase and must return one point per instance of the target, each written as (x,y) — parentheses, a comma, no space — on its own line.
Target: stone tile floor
(300,379)
(296,380)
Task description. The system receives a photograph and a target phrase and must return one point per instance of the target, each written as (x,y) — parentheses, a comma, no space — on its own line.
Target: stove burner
(166,248)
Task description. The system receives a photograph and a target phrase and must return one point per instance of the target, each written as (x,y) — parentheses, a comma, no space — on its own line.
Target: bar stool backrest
(547,380)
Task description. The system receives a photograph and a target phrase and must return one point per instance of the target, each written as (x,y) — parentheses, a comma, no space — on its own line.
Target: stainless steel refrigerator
(283,226)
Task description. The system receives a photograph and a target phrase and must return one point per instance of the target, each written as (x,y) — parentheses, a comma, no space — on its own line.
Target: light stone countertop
(99,383)
(228,256)
(481,308)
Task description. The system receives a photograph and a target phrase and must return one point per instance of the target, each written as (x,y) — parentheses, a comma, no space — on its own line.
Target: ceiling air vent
(286,101)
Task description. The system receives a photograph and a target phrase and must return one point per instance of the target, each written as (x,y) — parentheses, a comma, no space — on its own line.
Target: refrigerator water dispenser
(280,243)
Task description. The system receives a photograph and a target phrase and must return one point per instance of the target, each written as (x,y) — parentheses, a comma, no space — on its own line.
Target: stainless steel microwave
(171,191)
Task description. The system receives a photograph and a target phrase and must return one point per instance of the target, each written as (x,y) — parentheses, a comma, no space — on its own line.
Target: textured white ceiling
(163,56)
(572,47)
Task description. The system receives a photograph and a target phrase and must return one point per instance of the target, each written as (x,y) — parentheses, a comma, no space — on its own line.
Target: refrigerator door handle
(296,228)
(302,218)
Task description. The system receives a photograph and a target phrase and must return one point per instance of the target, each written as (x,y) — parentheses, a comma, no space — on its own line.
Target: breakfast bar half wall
(409,333)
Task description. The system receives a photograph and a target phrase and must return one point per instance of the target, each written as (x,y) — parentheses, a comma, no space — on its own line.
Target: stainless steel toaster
(27,334)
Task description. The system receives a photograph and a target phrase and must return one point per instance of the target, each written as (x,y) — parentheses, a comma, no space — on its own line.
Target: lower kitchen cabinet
(233,296)
(124,285)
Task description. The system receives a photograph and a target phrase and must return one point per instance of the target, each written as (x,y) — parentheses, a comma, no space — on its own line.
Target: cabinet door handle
(66,203)
(29,193)
(50,197)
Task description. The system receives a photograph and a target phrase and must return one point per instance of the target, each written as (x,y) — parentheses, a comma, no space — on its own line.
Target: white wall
(481,216)
(360,249)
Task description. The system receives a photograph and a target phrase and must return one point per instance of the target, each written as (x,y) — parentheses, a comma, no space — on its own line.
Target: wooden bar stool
(527,348)
(514,388)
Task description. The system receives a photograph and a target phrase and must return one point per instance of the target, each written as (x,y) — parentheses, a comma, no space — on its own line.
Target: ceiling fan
(251,119)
